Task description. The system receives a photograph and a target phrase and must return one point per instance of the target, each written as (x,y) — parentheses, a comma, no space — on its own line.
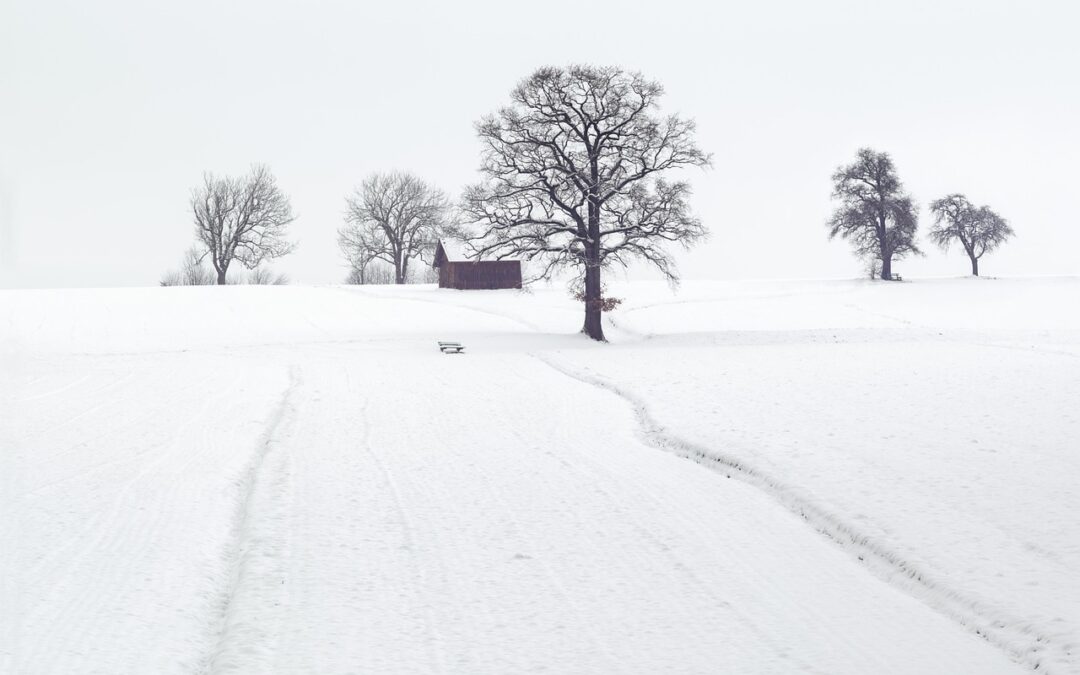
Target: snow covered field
(755,477)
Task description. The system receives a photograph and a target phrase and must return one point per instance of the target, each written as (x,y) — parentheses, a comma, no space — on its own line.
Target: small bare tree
(875,214)
(978,229)
(873,266)
(573,178)
(393,217)
(242,219)
(361,243)
(191,273)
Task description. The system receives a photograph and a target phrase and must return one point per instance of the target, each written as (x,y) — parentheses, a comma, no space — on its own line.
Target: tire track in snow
(59,390)
(528,542)
(113,429)
(1023,641)
(680,565)
(245,632)
(409,542)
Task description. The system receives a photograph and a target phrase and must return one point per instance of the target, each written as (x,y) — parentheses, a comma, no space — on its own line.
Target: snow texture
(283,479)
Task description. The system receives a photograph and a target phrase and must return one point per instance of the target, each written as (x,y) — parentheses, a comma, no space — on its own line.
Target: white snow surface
(754,477)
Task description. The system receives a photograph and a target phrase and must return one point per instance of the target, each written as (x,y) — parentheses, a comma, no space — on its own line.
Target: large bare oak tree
(573,178)
(393,217)
(977,228)
(875,214)
(241,219)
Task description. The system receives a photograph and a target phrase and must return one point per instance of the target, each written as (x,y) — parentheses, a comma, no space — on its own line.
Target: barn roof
(453,250)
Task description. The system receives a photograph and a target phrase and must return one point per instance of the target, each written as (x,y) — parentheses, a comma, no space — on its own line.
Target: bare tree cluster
(379,273)
(241,219)
(576,176)
(263,276)
(573,171)
(875,214)
(881,220)
(978,229)
(393,218)
(371,273)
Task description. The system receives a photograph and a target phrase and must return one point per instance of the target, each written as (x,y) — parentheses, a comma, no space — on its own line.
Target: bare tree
(572,172)
(875,214)
(393,217)
(191,273)
(873,266)
(978,229)
(242,219)
(262,276)
(361,243)
(355,277)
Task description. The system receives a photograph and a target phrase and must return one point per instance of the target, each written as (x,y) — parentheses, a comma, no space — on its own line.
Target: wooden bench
(451,347)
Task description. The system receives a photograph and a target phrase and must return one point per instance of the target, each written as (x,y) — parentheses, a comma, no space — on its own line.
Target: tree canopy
(574,178)
(978,229)
(393,217)
(242,219)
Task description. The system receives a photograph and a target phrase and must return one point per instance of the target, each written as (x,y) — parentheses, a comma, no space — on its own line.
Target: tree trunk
(593,300)
(221,276)
(974,266)
(883,244)
(594,290)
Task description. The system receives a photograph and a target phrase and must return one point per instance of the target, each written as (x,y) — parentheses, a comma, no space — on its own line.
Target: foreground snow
(296,480)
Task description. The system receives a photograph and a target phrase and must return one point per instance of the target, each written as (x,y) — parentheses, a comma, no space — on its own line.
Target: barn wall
(480,274)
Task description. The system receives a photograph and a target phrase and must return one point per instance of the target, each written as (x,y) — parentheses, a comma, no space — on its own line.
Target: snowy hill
(754,477)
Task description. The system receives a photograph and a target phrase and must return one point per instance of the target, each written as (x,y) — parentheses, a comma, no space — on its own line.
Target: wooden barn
(456,270)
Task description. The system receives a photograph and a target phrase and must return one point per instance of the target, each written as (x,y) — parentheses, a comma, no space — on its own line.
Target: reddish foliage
(606,304)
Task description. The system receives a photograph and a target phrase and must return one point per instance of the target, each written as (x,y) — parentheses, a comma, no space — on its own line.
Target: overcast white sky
(111,110)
